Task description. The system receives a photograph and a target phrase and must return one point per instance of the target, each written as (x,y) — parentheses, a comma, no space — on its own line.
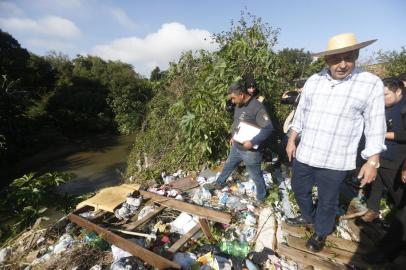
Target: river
(96,163)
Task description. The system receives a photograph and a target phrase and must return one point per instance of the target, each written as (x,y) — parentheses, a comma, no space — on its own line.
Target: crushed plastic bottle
(235,248)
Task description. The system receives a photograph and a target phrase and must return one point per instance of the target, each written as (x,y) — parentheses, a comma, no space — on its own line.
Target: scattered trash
(96,267)
(118,253)
(95,240)
(202,196)
(183,223)
(88,214)
(186,260)
(128,208)
(5,253)
(252,228)
(145,211)
(65,241)
(235,248)
(129,263)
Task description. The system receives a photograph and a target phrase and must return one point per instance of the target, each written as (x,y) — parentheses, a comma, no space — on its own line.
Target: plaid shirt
(332,115)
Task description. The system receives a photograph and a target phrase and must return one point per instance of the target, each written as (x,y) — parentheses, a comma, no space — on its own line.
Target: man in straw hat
(337,105)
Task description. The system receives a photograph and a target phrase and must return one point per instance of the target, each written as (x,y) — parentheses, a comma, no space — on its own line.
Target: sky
(150,33)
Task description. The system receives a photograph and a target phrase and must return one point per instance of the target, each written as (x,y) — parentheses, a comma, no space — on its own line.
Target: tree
(187,124)
(156,74)
(393,62)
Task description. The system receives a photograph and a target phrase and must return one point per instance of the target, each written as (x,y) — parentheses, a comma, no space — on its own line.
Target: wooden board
(178,244)
(189,208)
(133,225)
(184,184)
(136,250)
(333,241)
(329,253)
(308,258)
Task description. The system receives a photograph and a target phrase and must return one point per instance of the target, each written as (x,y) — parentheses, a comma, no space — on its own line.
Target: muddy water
(96,163)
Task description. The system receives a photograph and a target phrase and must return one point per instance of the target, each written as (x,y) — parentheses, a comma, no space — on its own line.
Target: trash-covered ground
(255,238)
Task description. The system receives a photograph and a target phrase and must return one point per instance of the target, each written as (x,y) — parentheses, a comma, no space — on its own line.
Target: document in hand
(245,132)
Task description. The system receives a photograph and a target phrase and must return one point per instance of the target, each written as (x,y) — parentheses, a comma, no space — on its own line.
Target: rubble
(164,226)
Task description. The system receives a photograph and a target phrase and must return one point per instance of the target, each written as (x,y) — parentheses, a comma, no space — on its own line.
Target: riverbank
(96,162)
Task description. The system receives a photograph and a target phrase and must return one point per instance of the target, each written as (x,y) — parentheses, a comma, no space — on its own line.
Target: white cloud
(49,26)
(156,49)
(50,45)
(8,8)
(121,17)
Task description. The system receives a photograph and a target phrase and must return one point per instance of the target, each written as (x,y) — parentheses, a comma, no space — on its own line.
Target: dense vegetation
(54,99)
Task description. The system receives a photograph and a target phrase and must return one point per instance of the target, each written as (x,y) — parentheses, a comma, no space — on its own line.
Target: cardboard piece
(109,198)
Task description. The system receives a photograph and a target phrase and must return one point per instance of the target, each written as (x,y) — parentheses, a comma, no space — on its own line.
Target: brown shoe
(370,216)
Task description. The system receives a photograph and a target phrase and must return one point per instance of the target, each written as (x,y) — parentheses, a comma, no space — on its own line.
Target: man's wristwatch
(374,163)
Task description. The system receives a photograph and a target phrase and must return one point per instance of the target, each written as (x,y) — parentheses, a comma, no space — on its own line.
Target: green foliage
(25,199)
(295,62)
(187,124)
(393,62)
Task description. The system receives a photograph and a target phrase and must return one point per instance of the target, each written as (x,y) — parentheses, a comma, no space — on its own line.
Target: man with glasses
(337,105)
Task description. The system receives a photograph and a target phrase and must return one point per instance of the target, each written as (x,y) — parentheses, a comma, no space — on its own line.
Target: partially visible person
(388,179)
(394,240)
(252,87)
(402,77)
(248,109)
(337,105)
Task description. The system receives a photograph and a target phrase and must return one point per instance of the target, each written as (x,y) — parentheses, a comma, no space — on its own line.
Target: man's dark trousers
(328,189)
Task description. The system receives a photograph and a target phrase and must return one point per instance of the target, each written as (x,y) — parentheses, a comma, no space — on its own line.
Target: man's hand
(291,150)
(291,145)
(403,175)
(368,172)
(247,145)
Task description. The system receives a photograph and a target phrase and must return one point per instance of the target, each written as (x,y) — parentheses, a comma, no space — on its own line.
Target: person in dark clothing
(394,240)
(251,111)
(388,178)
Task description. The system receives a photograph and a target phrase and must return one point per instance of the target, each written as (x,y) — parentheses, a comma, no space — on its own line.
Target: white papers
(245,132)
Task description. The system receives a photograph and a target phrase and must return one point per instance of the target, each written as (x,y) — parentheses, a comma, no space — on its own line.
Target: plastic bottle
(235,248)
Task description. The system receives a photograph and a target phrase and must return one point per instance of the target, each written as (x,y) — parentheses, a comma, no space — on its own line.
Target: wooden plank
(206,229)
(178,244)
(307,258)
(333,241)
(329,253)
(136,250)
(189,208)
(184,184)
(133,225)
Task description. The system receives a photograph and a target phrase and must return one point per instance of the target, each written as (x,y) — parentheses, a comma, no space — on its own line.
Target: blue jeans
(252,161)
(328,184)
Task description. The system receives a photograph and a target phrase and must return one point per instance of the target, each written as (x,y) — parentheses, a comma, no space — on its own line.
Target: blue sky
(151,33)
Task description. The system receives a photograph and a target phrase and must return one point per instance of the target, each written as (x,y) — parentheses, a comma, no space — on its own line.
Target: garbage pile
(248,242)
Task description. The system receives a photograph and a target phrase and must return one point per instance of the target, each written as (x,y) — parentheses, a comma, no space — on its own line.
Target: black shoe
(213,185)
(316,243)
(298,221)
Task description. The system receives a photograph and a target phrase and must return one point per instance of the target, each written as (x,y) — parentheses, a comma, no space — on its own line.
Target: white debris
(5,254)
(266,230)
(183,223)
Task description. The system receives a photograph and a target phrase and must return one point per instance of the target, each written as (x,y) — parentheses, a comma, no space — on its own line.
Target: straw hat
(343,43)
